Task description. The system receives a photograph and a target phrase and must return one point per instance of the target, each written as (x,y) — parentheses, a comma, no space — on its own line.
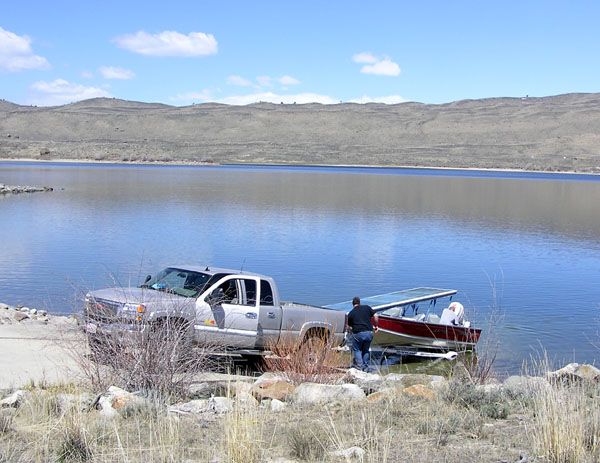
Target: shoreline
(159,163)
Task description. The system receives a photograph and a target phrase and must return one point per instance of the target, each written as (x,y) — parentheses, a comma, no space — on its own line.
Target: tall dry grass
(566,420)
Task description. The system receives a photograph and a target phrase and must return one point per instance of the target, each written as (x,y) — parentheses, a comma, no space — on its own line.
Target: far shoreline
(159,163)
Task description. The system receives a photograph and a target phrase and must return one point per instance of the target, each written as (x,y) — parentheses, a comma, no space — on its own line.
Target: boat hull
(407,332)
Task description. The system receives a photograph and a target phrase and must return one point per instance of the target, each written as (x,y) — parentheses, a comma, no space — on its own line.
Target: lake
(523,249)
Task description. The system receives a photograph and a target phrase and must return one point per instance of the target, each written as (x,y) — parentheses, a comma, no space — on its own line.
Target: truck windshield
(184,283)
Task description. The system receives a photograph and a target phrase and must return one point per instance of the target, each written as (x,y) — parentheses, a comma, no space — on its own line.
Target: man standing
(361,333)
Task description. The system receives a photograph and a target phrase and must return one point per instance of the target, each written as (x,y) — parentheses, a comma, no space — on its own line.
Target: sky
(240,52)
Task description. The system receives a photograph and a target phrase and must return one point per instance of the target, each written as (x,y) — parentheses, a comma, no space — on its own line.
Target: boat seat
(433,318)
(420,317)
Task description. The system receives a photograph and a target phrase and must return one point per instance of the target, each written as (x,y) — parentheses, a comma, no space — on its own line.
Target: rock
(574,372)
(24,309)
(382,394)
(118,401)
(524,385)
(279,390)
(277,406)
(32,312)
(15,400)
(241,388)
(78,402)
(220,405)
(4,306)
(419,390)
(407,380)
(368,382)
(269,378)
(42,313)
(192,407)
(349,454)
(313,393)
(246,400)
(20,316)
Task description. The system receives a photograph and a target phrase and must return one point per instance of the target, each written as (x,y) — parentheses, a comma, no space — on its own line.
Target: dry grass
(567,423)
(313,360)
(243,434)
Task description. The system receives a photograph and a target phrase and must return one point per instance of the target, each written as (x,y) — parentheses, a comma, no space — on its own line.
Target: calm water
(526,246)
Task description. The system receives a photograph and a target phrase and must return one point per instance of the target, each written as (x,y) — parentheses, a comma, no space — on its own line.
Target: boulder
(277,406)
(220,405)
(279,390)
(4,306)
(269,378)
(408,379)
(246,400)
(190,408)
(419,390)
(15,400)
(368,382)
(20,316)
(118,401)
(524,385)
(575,373)
(313,393)
(78,402)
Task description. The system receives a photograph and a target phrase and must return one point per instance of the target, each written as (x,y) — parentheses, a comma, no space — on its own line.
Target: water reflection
(526,246)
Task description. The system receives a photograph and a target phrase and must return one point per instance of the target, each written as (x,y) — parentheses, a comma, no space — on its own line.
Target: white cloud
(364,57)
(390,99)
(87,74)
(288,80)
(384,67)
(270,97)
(111,72)
(169,43)
(377,66)
(60,92)
(16,53)
(239,81)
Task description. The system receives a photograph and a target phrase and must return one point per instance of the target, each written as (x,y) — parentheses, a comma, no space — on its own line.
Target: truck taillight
(141,308)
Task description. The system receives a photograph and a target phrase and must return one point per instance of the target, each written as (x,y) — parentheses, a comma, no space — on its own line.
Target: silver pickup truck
(213,306)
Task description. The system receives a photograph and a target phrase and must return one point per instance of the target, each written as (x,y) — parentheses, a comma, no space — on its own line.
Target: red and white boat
(409,318)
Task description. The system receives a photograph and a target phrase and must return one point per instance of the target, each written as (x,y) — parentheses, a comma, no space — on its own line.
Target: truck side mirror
(148,278)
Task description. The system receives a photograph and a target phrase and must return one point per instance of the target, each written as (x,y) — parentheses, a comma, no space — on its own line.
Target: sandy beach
(36,349)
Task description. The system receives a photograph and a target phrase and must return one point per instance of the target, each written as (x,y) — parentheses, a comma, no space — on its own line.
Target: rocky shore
(343,416)
(16,189)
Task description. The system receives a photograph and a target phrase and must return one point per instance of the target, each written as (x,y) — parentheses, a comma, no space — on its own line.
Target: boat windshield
(184,283)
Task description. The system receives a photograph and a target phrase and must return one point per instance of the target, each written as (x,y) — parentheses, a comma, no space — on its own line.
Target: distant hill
(550,133)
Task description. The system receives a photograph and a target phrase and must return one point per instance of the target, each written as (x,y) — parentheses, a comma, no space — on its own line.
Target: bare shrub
(158,359)
(305,444)
(312,360)
(73,443)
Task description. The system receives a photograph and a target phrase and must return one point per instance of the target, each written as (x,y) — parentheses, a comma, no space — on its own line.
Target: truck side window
(266,293)
(250,292)
(228,293)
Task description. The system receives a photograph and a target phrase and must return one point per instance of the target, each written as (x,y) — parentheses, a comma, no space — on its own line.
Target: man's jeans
(360,344)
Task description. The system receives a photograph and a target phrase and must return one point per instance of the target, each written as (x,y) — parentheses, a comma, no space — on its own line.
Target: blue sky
(239,52)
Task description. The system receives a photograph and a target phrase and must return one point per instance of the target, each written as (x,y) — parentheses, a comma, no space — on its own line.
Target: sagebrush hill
(555,133)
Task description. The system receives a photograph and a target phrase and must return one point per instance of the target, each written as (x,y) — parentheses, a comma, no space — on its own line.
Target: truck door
(228,313)
(269,316)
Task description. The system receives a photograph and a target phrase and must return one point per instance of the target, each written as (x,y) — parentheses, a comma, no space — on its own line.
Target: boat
(408,318)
